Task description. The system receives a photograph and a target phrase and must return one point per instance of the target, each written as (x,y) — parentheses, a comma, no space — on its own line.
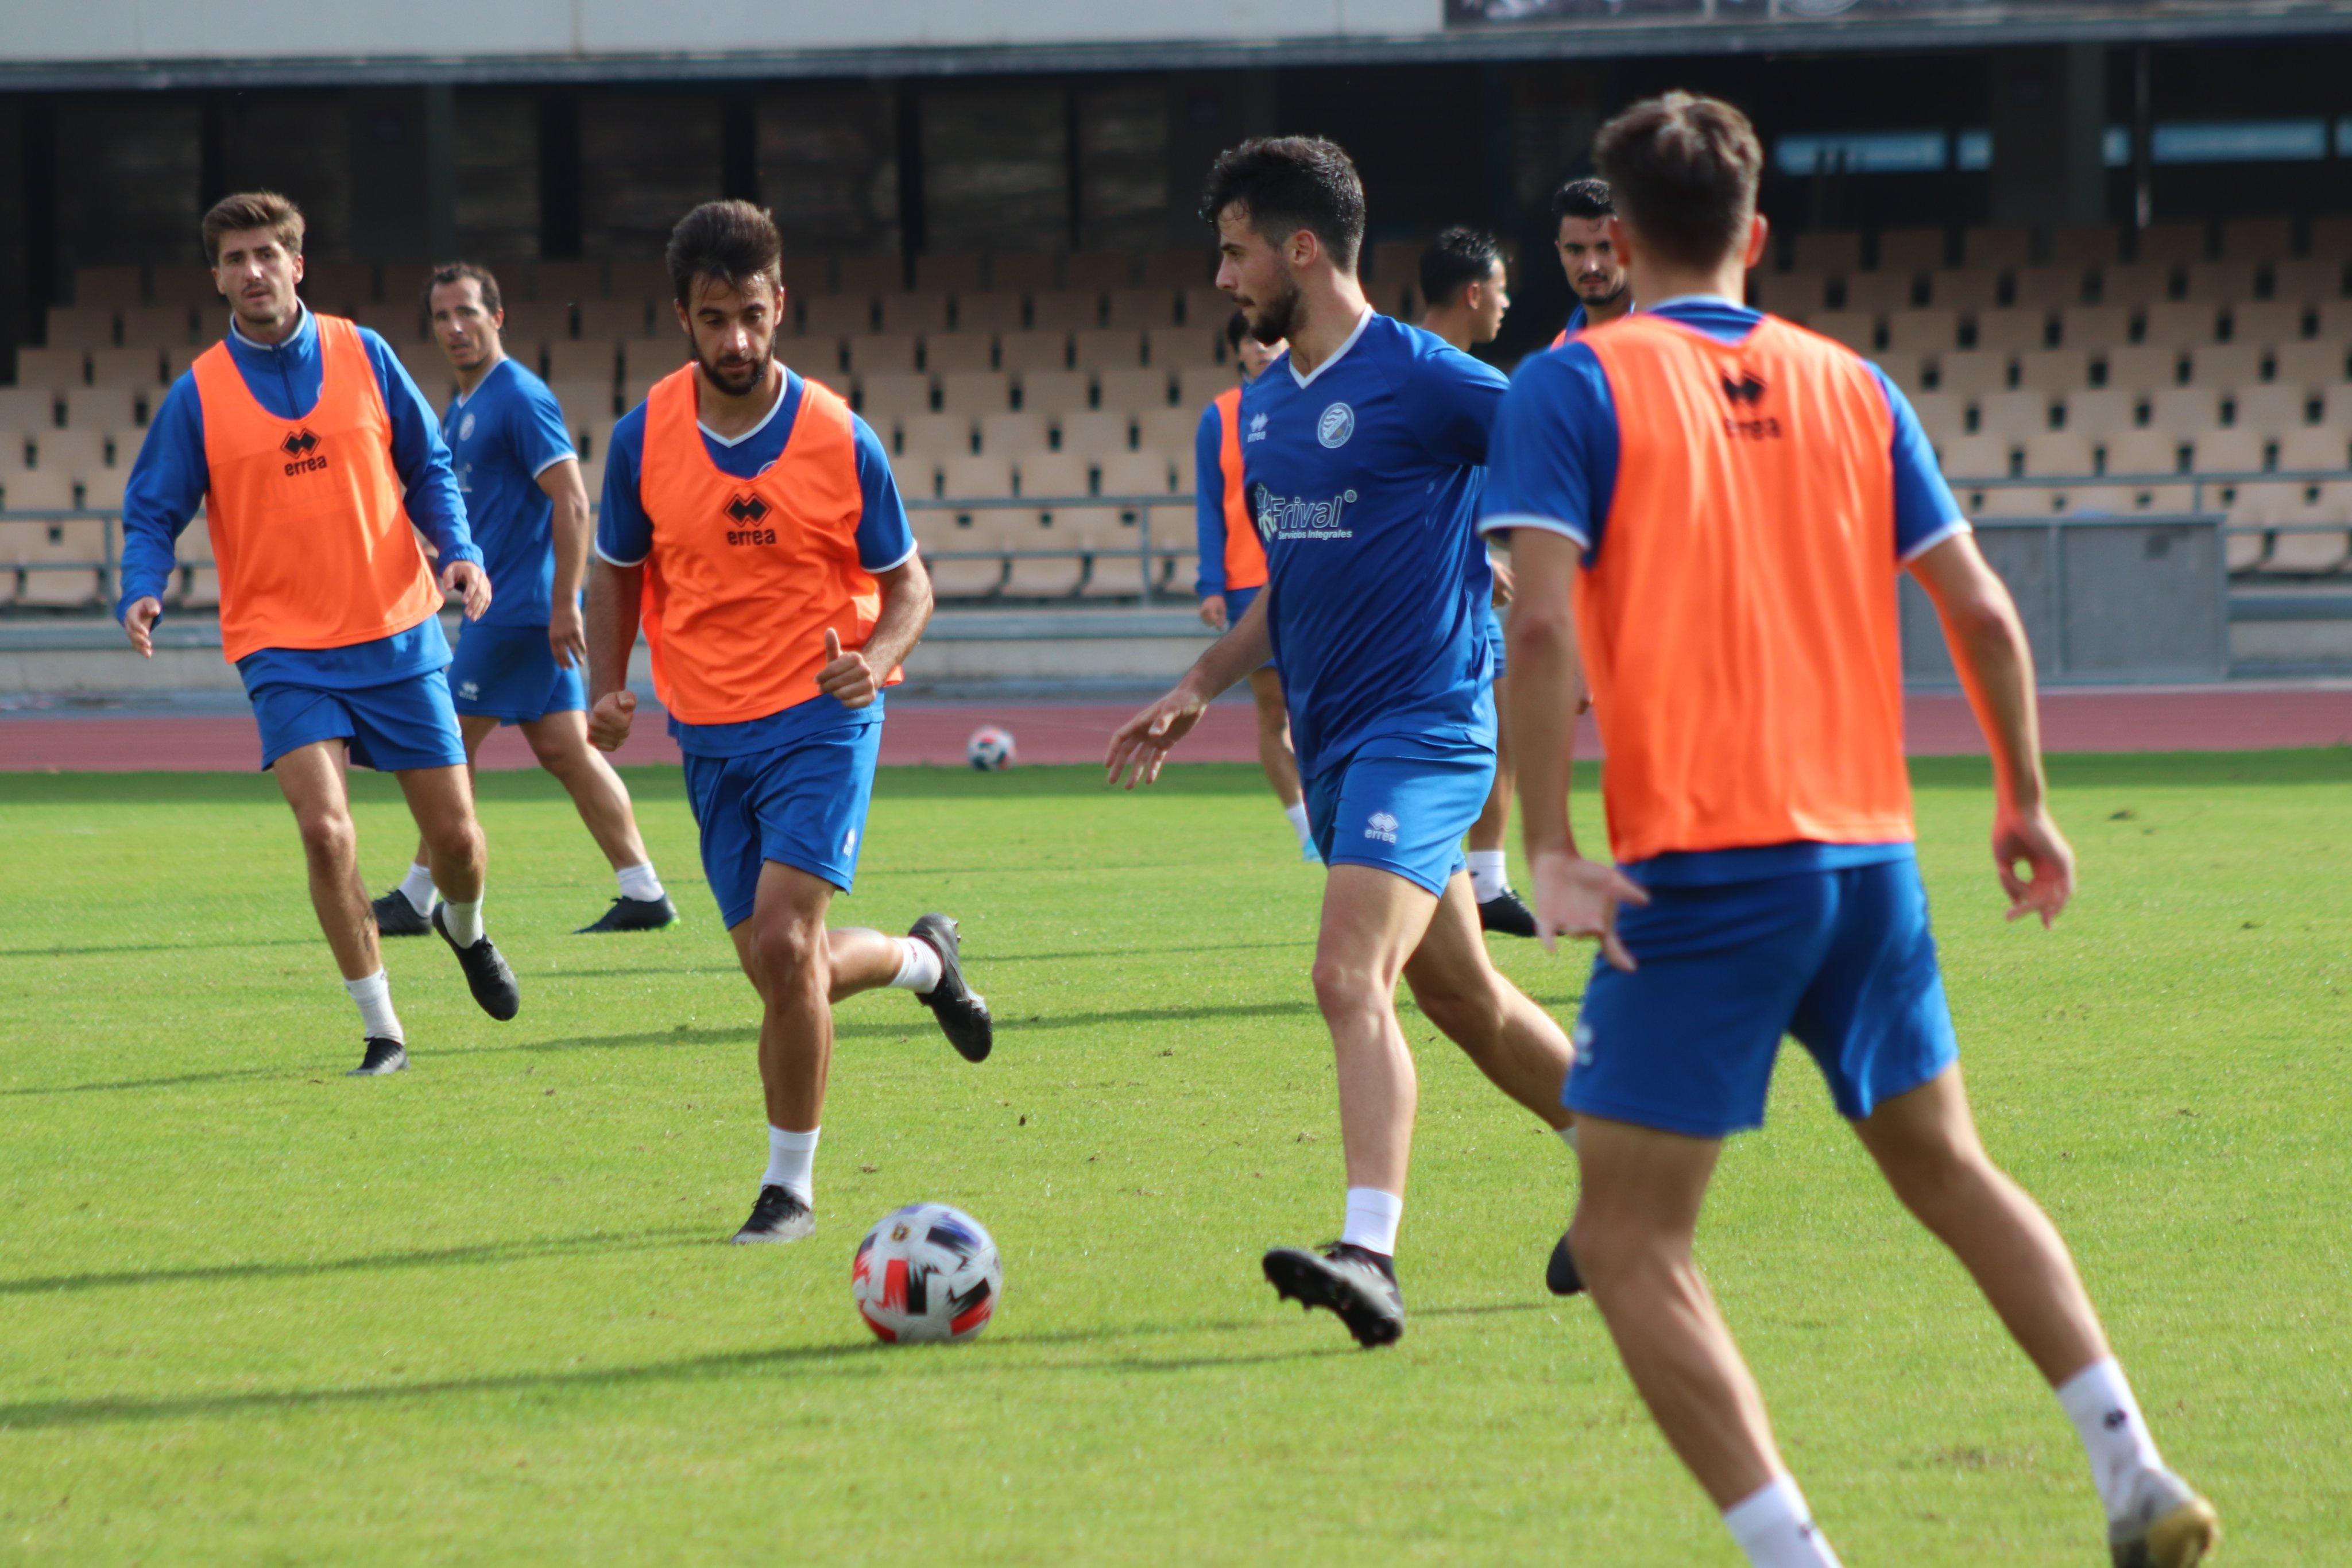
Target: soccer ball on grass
(927,1273)
(989,749)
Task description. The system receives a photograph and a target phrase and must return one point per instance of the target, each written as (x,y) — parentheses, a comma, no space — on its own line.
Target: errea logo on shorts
(1582,1036)
(470,690)
(1337,423)
(1380,825)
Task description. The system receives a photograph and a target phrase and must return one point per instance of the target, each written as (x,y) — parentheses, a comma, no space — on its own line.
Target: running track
(2195,719)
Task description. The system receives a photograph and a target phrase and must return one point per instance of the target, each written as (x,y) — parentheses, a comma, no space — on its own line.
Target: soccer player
(1713,504)
(1463,298)
(751,520)
(1362,446)
(1233,563)
(312,454)
(1596,273)
(519,664)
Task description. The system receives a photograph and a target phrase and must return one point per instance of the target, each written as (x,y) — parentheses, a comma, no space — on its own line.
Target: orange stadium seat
(1096,434)
(976,392)
(917,315)
(1133,389)
(945,351)
(1064,311)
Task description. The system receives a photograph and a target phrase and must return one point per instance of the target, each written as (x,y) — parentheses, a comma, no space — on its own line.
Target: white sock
(2100,1404)
(1776,1529)
(373,994)
(918,966)
(1488,877)
(1296,813)
(791,1156)
(1372,1217)
(638,882)
(463,921)
(417,887)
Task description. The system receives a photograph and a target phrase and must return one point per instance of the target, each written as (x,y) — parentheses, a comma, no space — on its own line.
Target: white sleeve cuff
(1956,525)
(879,571)
(565,456)
(1506,522)
(616,561)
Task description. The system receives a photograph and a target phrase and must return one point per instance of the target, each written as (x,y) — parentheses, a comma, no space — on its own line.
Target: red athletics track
(2248,717)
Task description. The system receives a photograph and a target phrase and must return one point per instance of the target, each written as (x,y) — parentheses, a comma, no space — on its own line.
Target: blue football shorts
(1841,959)
(510,673)
(1494,636)
(403,724)
(1402,814)
(802,804)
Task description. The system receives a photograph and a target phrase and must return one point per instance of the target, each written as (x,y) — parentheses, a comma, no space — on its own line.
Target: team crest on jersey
(465,427)
(1337,423)
(1382,826)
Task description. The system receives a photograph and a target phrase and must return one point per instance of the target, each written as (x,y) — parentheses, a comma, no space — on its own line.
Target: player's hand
(1213,613)
(139,623)
(467,577)
(1505,585)
(1578,897)
(1143,742)
(567,637)
(609,720)
(846,676)
(2033,840)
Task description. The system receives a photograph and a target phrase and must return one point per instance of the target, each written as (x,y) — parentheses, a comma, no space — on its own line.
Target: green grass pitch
(252,1312)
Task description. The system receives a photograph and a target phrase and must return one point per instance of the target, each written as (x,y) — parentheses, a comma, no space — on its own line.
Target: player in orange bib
(1233,564)
(312,454)
(752,526)
(1711,505)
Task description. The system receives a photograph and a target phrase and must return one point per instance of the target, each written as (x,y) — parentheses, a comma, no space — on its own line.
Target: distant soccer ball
(989,749)
(926,1273)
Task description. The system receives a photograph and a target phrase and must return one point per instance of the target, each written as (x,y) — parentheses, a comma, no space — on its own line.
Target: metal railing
(1152,561)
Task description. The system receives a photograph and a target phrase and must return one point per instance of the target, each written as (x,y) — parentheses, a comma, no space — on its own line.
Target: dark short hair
(1454,260)
(253,210)
(1236,329)
(1684,171)
(728,242)
(1582,199)
(457,272)
(1290,182)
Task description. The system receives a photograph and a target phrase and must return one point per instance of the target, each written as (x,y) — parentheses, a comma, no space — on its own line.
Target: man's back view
(1711,505)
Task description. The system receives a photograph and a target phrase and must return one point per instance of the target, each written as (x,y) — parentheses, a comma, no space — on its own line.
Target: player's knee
(456,836)
(789,954)
(1343,986)
(1471,1019)
(1609,1246)
(328,836)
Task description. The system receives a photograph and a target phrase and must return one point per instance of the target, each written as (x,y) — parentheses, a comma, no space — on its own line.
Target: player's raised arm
(1996,667)
(1142,745)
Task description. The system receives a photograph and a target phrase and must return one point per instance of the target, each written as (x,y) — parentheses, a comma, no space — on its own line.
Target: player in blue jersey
(1464,295)
(1362,447)
(1580,212)
(521,664)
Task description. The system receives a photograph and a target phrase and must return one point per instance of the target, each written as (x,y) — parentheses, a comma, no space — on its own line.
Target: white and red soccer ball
(927,1273)
(989,749)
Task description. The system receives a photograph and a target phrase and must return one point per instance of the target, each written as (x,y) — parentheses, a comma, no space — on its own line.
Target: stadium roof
(210,43)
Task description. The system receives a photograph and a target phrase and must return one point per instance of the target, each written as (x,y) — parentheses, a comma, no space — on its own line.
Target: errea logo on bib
(1337,423)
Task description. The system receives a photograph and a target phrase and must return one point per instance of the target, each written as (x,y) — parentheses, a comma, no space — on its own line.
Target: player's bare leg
(801,970)
(407,910)
(1517,1045)
(1925,1143)
(559,741)
(442,801)
(1637,1209)
(311,779)
(1275,755)
(1372,921)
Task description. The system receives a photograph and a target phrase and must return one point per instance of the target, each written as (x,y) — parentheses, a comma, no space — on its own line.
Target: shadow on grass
(744,1033)
(982,962)
(160,947)
(864,1357)
(423,1258)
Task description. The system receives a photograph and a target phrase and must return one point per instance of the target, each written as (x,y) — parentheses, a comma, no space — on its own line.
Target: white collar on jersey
(301,321)
(783,384)
(1698,299)
(1337,354)
(464,397)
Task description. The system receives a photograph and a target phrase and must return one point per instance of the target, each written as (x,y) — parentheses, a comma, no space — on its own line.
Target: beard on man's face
(737,378)
(1278,318)
(1601,290)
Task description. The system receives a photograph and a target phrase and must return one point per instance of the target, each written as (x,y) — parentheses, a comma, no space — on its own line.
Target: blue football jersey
(1363,479)
(502,436)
